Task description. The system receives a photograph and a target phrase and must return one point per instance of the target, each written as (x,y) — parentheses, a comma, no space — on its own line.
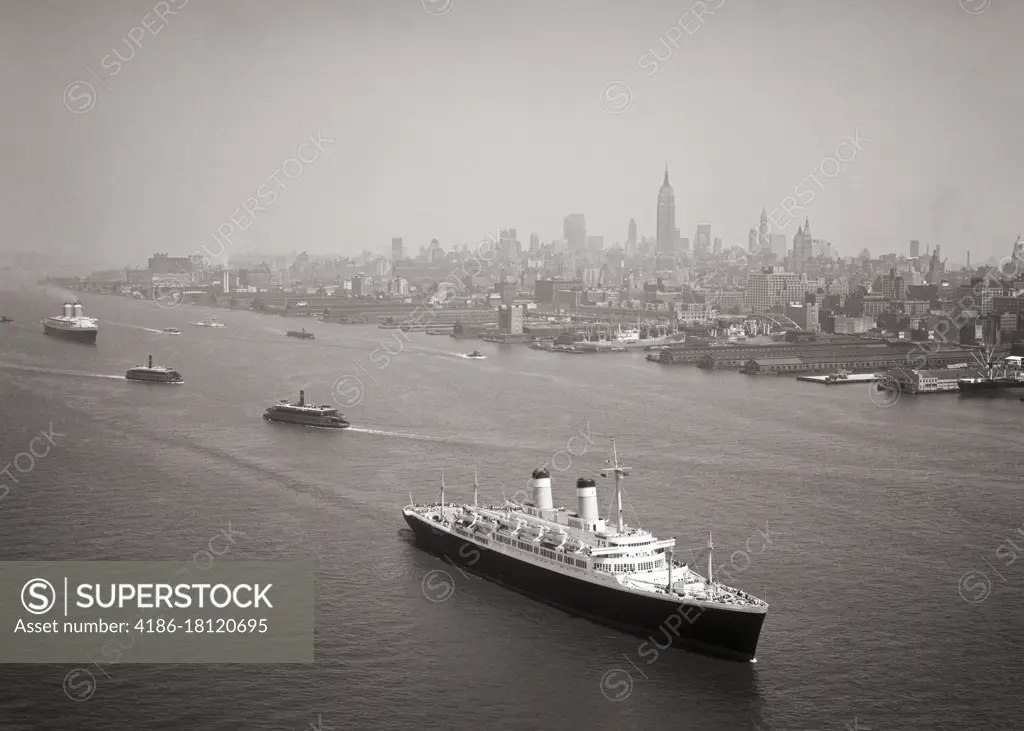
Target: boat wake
(54,372)
(394,434)
(134,327)
(467,356)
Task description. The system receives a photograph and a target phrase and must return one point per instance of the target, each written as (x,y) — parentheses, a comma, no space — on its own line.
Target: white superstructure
(72,318)
(582,545)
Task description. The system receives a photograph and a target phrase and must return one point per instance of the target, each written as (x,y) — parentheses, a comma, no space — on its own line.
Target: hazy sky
(492,113)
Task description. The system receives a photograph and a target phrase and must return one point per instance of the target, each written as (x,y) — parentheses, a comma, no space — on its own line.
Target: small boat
(475,354)
(212,322)
(153,374)
(302,334)
(171,331)
(6,319)
(837,376)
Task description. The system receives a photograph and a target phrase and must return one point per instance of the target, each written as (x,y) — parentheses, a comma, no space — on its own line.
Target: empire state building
(666,243)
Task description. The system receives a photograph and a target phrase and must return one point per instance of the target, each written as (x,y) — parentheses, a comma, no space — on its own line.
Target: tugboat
(171,331)
(72,325)
(475,354)
(153,374)
(308,414)
(212,322)
(616,575)
(301,334)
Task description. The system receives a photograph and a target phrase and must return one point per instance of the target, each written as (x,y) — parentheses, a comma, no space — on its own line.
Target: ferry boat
(307,414)
(171,331)
(615,575)
(302,334)
(212,322)
(476,354)
(153,374)
(72,325)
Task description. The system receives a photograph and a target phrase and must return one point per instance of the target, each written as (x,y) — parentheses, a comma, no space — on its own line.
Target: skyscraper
(396,250)
(534,242)
(575,232)
(702,239)
(666,217)
(915,248)
(803,249)
(631,238)
(764,243)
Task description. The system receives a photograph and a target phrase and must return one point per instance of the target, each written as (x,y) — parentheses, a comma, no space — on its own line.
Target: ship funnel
(150,361)
(68,309)
(78,309)
(586,495)
(540,483)
(302,398)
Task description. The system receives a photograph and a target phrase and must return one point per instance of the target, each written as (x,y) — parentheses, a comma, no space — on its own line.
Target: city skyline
(483,136)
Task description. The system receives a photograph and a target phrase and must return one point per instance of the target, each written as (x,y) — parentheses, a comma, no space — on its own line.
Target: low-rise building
(910,380)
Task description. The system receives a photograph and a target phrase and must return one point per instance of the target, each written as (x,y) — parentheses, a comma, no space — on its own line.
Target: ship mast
(442,493)
(619,471)
(711,550)
(476,491)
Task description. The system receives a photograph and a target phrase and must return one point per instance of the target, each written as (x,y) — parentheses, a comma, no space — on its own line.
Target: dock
(852,378)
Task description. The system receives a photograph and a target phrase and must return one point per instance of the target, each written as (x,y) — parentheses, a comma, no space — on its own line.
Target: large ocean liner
(72,324)
(615,575)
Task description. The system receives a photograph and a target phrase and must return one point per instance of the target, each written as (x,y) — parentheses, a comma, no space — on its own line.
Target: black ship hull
(305,421)
(731,635)
(153,378)
(75,335)
(982,387)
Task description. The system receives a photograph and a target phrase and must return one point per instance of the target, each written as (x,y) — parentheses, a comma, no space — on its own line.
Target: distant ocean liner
(617,576)
(72,325)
